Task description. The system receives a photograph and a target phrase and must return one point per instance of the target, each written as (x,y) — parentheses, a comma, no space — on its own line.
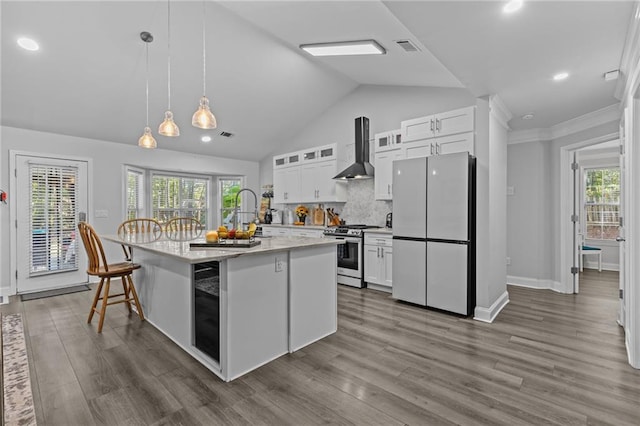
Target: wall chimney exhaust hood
(361,169)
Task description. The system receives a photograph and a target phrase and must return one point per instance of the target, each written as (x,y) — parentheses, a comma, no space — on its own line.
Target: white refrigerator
(433,232)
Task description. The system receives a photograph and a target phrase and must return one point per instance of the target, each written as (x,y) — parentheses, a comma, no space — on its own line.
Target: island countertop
(181,250)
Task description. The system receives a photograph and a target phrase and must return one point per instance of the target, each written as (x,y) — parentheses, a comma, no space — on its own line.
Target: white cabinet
(460,142)
(443,124)
(384,173)
(307,176)
(386,141)
(306,232)
(286,184)
(275,231)
(378,256)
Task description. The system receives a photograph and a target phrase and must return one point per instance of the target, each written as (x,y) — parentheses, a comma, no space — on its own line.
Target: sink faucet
(236,211)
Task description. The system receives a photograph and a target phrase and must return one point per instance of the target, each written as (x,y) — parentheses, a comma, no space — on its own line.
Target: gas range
(348,230)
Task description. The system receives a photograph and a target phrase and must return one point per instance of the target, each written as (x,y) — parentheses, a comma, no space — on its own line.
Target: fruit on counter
(222,229)
(211,236)
(232,233)
(252,229)
(240,235)
(223,234)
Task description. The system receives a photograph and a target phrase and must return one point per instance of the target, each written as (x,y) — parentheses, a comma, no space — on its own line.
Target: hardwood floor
(547,359)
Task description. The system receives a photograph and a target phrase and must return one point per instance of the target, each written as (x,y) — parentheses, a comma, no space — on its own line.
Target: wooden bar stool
(183,228)
(141,230)
(98,266)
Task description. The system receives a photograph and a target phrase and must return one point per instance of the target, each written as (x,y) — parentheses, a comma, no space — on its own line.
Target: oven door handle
(349,240)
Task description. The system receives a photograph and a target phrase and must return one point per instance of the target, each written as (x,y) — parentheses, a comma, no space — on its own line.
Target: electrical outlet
(510,190)
(279,264)
(508,261)
(101,213)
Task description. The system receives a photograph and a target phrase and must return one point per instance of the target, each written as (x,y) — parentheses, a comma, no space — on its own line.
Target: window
(602,203)
(229,187)
(134,191)
(179,196)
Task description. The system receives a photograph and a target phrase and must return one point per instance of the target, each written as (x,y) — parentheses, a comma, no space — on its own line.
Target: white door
(51,200)
(623,214)
(575,215)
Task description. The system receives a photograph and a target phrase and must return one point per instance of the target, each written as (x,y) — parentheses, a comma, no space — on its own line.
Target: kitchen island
(235,309)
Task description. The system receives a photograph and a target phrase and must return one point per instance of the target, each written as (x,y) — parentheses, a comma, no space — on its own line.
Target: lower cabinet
(378,255)
(273,231)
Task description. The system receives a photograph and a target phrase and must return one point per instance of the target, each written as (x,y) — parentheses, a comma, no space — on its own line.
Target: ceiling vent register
(407,45)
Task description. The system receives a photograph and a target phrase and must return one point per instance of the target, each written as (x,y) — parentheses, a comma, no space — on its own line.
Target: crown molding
(630,62)
(500,111)
(529,135)
(575,125)
(586,121)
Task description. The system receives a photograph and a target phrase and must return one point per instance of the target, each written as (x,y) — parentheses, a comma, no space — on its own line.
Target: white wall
(106,183)
(385,106)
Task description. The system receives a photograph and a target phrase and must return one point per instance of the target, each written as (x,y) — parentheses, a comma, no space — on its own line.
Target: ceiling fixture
(147,140)
(168,127)
(361,47)
(206,139)
(512,6)
(561,76)
(407,45)
(203,118)
(28,44)
(527,116)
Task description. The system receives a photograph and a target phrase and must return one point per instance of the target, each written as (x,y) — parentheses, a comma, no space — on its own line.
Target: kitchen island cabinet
(273,298)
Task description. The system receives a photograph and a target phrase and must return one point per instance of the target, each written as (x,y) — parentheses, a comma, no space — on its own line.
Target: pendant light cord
(169,55)
(204,50)
(147,85)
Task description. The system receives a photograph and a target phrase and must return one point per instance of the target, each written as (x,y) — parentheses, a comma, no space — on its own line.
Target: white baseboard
(489,314)
(542,284)
(605,266)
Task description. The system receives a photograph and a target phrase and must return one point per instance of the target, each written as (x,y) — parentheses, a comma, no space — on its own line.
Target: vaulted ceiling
(88,78)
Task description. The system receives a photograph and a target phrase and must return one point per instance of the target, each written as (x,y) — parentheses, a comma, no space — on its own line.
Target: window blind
(53,219)
(134,194)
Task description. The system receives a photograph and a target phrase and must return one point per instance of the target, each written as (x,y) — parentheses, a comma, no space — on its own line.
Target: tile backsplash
(362,207)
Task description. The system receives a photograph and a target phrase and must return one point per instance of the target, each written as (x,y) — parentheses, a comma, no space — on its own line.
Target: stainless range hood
(361,169)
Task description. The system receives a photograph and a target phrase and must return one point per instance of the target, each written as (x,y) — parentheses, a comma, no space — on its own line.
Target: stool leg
(95,300)
(103,308)
(125,290)
(135,297)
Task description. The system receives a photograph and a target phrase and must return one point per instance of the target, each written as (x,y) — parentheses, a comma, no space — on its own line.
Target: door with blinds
(51,200)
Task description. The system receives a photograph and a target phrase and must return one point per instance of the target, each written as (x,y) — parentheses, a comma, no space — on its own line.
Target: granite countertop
(385,231)
(182,251)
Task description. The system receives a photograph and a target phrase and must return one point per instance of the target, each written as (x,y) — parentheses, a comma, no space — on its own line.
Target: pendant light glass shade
(147,140)
(168,127)
(203,118)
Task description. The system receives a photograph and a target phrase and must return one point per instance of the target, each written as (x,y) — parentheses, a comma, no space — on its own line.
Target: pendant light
(203,118)
(168,127)
(147,140)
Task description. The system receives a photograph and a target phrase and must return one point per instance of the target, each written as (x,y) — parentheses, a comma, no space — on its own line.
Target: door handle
(431,145)
(437,125)
(432,125)
(620,239)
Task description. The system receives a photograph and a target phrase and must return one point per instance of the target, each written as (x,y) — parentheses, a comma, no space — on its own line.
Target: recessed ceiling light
(512,6)
(561,76)
(28,44)
(527,116)
(206,139)
(362,47)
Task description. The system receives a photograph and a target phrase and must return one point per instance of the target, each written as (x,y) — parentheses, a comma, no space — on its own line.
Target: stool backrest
(93,247)
(183,228)
(148,228)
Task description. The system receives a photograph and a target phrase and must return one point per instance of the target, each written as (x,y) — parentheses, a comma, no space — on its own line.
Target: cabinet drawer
(377,239)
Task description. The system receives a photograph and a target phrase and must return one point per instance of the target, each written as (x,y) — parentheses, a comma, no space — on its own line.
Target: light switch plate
(510,190)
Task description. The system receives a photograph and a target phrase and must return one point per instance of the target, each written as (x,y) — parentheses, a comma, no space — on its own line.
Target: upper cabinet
(436,125)
(388,141)
(309,177)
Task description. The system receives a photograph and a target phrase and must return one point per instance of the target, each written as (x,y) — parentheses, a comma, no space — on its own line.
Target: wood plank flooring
(547,359)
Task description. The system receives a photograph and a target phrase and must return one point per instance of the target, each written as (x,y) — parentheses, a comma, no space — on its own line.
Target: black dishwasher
(206,284)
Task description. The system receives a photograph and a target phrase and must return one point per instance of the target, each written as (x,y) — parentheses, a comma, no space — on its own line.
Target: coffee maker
(389,222)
